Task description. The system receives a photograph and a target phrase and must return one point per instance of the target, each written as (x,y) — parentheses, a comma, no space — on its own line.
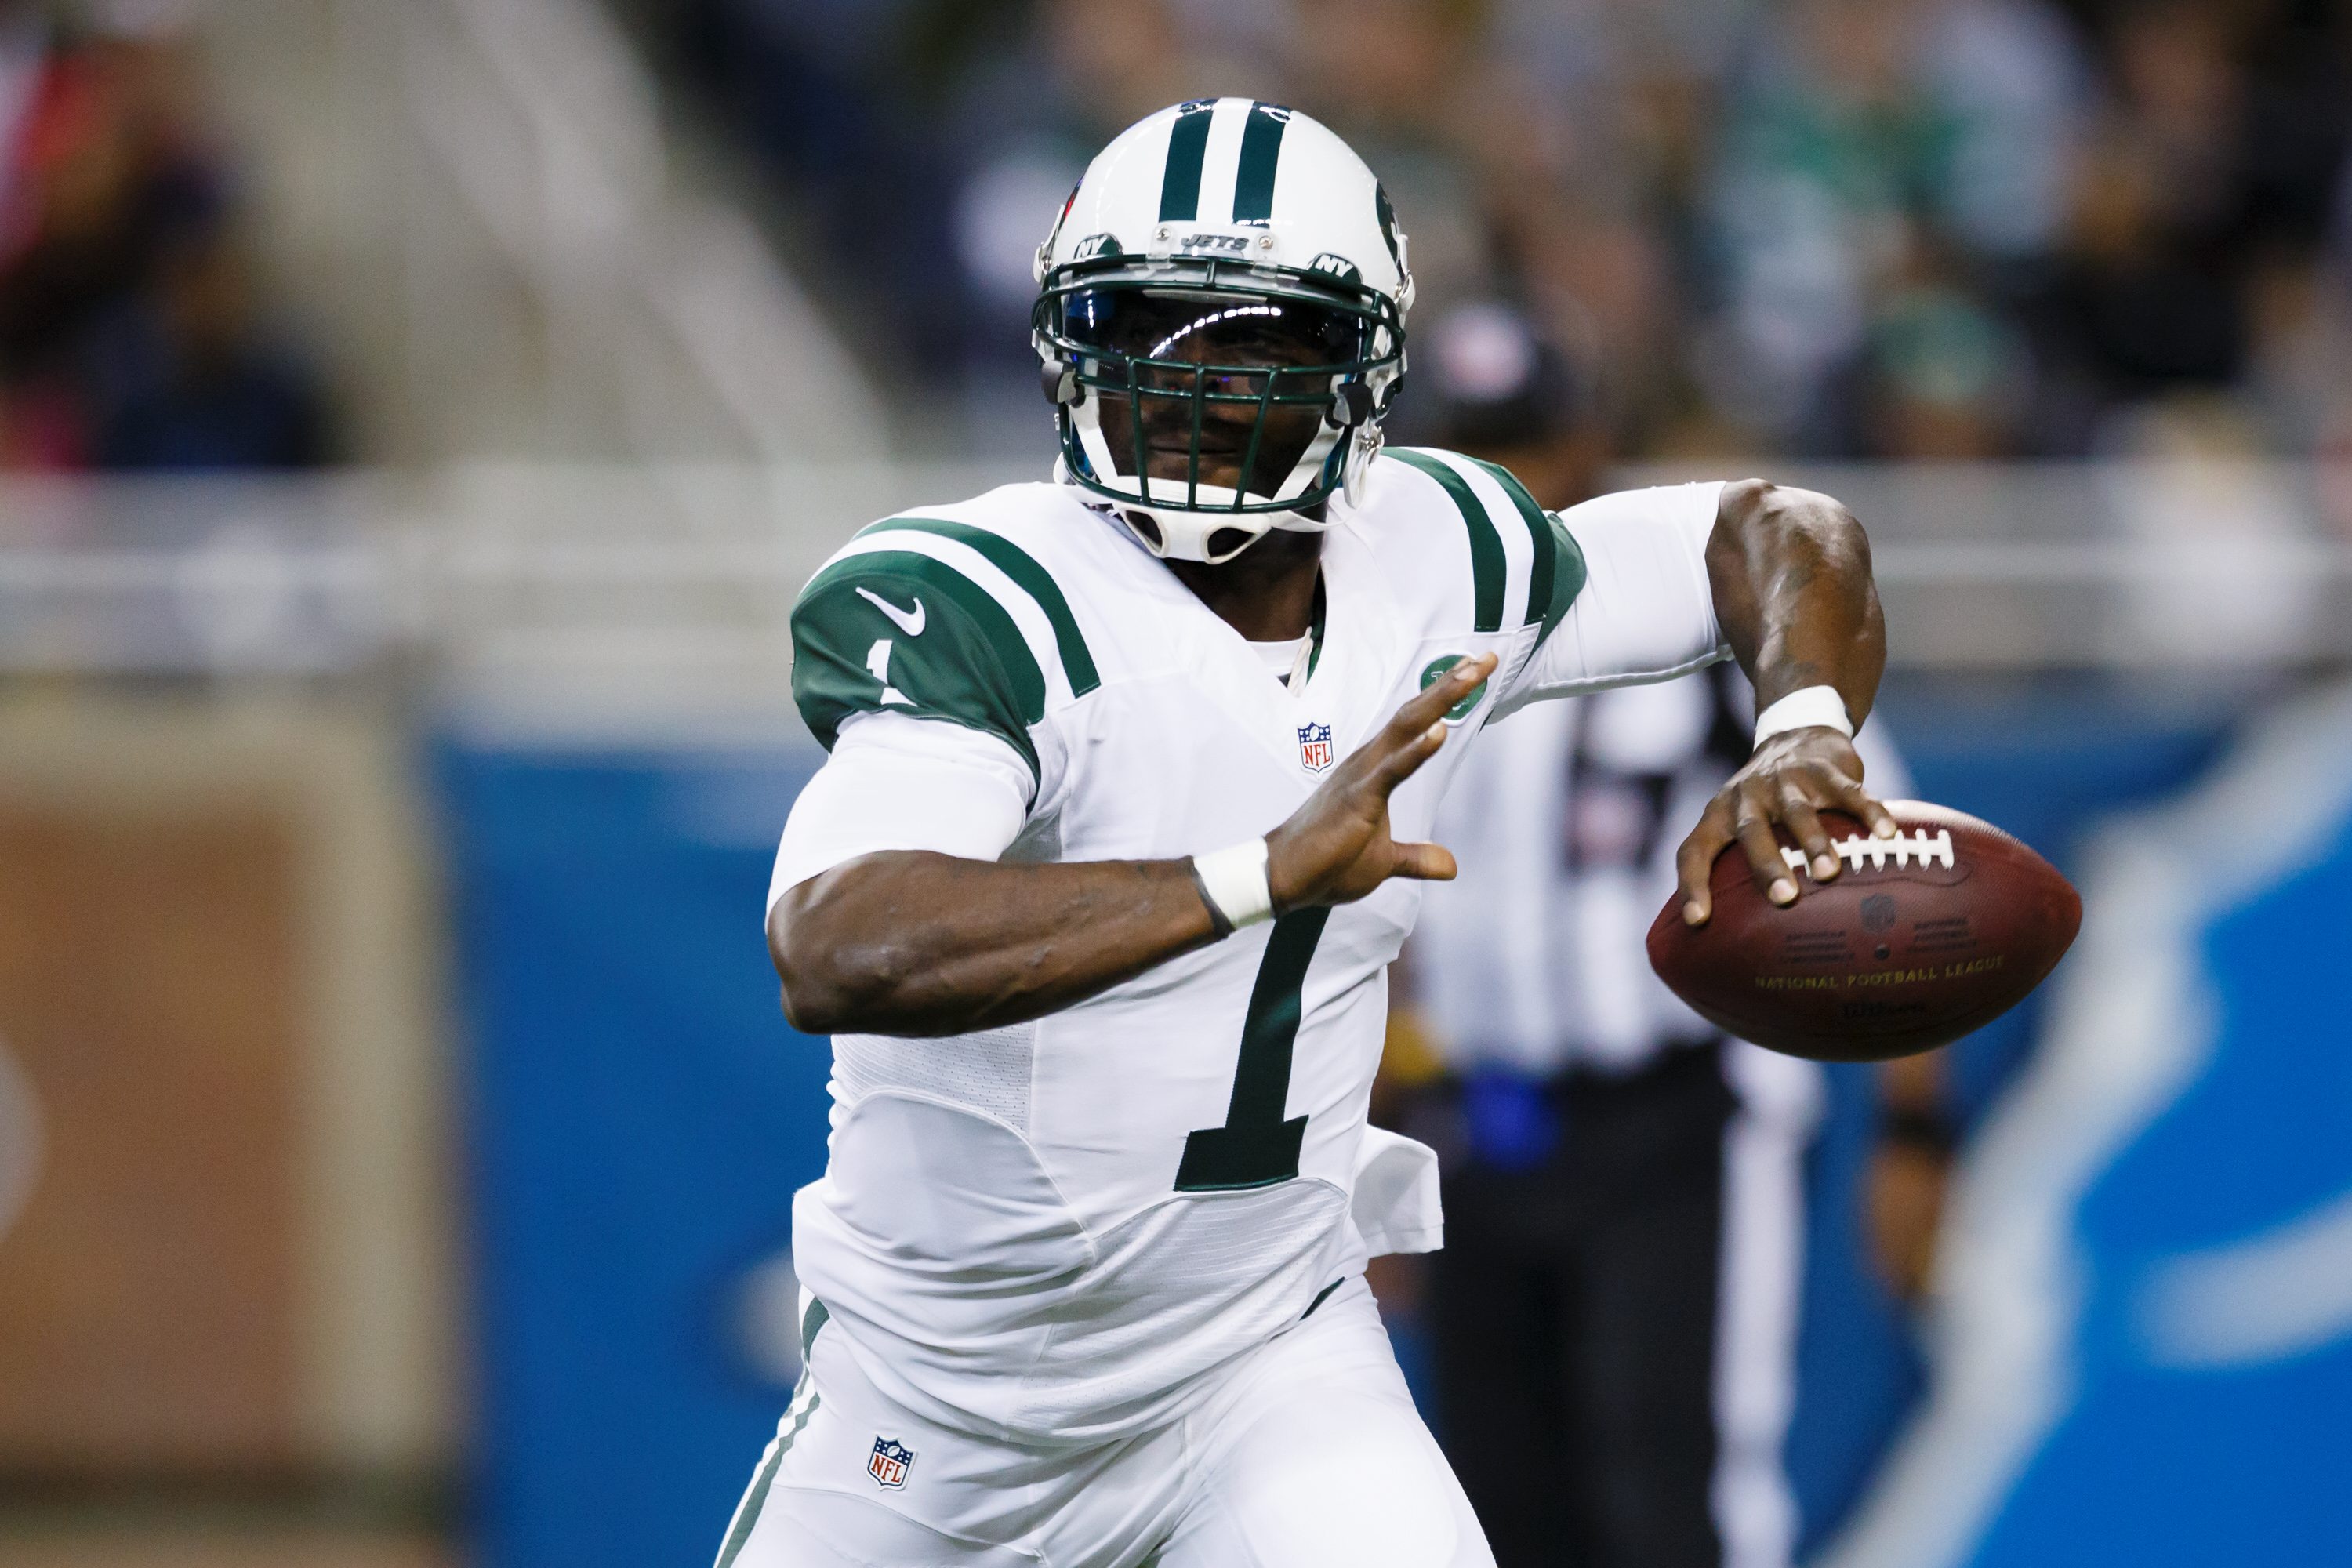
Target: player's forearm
(1791,572)
(907,943)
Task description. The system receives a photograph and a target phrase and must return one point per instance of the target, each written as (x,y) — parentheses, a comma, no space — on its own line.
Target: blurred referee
(1614,1309)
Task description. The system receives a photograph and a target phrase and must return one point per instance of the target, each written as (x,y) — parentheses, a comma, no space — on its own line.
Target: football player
(1121,825)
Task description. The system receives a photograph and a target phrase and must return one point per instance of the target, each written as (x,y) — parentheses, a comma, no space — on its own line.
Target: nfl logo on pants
(1315,746)
(888,1464)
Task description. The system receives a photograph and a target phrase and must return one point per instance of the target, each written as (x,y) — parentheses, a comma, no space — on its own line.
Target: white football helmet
(1226,288)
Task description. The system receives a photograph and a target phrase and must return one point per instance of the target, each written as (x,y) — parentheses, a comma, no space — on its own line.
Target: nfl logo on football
(1315,746)
(889,1462)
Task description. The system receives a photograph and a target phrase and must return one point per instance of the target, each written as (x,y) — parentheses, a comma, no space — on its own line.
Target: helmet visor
(1246,333)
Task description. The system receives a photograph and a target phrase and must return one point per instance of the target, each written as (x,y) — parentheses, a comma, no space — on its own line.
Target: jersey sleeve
(895,782)
(1639,608)
(904,632)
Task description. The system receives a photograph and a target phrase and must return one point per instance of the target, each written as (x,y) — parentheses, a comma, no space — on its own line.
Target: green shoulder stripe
(898,631)
(1021,566)
(1568,574)
(1486,566)
(1540,538)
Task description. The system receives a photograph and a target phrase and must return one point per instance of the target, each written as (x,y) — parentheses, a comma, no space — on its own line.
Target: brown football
(1918,939)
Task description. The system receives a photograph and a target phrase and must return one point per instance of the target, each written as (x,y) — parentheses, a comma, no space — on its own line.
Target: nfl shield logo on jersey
(1315,746)
(888,1461)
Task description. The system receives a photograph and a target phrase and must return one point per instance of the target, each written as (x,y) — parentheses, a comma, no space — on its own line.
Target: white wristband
(1802,709)
(1233,881)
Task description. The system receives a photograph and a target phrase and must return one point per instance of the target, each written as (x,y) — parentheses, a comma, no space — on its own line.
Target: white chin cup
(1155,511)
(1184,534)
(1179,533)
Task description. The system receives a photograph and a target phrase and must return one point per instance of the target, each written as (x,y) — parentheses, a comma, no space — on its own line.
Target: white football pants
(1308,1455)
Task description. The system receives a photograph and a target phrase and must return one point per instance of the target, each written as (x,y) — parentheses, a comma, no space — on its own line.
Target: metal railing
(598,586)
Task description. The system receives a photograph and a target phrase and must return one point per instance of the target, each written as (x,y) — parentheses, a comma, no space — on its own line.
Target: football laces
(1931,848)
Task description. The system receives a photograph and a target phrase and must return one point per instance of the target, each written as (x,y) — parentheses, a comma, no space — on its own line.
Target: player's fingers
(1424,863)
(1804,825)
(1395,764)
(1408,740)
(1850,795)
(1765,862)
(1695,861)
(1429,705)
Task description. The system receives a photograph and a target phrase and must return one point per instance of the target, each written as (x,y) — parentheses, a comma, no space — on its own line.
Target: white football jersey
(1057,1231)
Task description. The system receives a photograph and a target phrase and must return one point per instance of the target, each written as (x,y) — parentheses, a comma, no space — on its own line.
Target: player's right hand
(1336,848)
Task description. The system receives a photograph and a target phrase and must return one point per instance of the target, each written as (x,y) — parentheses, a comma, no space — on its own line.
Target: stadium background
(416,415)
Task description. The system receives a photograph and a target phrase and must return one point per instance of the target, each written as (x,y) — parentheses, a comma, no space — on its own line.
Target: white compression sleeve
(1647,611)
(895,782)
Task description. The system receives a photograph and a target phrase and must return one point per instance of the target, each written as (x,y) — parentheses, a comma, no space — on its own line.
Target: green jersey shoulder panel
(898,630)
(940,617)
(1032,579)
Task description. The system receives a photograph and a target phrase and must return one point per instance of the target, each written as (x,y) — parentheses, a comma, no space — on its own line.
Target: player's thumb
(1424,863)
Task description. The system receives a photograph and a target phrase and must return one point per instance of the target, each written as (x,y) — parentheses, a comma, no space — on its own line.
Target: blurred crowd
(132,336)
(1903,228)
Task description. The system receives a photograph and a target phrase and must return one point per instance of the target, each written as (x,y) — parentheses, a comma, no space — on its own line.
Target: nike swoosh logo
(907,621)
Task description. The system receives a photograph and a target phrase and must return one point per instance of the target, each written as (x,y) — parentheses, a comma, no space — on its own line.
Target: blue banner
(640,1117)
(2146,1351)
(2049,769)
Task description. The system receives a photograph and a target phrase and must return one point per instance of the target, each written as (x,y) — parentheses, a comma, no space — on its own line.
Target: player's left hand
(1336,848)
(1793,777)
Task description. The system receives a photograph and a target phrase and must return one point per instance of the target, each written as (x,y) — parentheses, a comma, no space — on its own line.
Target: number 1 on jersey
(877,664)
(1255,1147)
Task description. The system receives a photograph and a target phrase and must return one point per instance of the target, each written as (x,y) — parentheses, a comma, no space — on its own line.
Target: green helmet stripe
(1387,215)
(1261,148)
(1188,144)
